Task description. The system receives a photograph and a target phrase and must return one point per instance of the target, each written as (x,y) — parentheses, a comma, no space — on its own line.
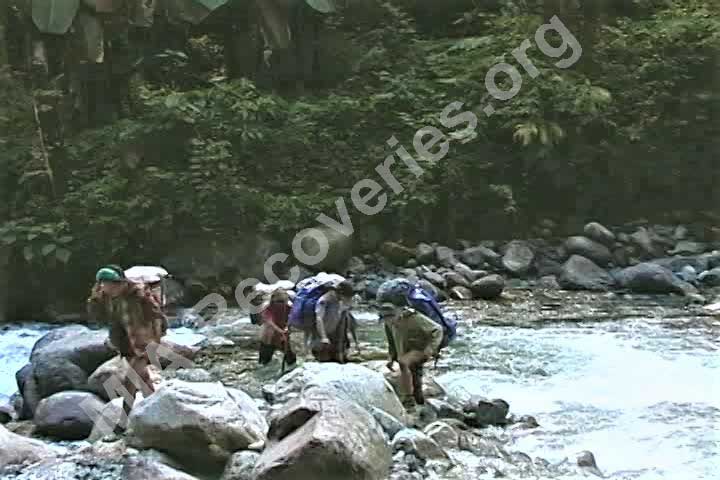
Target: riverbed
(637,381)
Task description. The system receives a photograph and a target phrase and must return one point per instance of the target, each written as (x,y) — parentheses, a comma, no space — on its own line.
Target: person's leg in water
(266,353)
(417,379)
(408,363)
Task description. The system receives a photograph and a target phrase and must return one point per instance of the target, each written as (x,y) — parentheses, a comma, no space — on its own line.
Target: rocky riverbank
(225,417)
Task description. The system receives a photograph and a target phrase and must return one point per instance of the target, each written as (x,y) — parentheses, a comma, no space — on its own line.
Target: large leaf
(323,6)
(275,22)
(54,16)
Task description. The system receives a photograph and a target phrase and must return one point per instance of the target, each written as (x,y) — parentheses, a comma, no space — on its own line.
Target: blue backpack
(302,312)
(424,302)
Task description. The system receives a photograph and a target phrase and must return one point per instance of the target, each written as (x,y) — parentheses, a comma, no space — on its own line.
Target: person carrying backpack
(413,339)
(135,319)
(328,341)
(274,333)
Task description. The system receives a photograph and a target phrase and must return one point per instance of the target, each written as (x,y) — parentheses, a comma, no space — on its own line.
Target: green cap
(107,275)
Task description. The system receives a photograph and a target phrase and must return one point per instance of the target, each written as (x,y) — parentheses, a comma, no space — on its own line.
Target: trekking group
(319,307)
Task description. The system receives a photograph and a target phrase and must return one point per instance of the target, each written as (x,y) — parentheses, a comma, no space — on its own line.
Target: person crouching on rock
(332,322)
(136,322)
(274,334)
(413,339)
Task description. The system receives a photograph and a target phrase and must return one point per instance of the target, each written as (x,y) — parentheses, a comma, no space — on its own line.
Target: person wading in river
(329,340)
(274,334)
(135,319)
(413,339)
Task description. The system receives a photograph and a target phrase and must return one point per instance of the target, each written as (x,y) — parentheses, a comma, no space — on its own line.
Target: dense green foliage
(631,130)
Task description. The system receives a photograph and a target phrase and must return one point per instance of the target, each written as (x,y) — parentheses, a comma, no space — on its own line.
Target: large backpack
(424,302)
(302,313)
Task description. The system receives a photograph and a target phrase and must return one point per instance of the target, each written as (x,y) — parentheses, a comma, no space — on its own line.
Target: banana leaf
(190,11)
(54,16)
(275,22)
(323,6)
(88,38)
(104,6)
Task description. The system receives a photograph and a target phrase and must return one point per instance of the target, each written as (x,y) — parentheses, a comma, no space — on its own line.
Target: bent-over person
(135,320)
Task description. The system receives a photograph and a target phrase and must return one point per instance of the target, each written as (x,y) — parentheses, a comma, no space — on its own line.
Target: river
(643,394)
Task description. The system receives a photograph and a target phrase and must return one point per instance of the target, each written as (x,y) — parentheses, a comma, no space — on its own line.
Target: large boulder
(518,258)
(396,253)
(445,256)
(585,247)
(139,468)
(677,263)
(419,444)
(580,273)
(488,288)
(350,382)
(116,367)
(478,257)
(324,439)
(455,279)
(203,423)
(61,360)
(424,254)
(434,278)
(650,278)
(19,450)
(599,233)
(68,415)
(393,291)
(203,263)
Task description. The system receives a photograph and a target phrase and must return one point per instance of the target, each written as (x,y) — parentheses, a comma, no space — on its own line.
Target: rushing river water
(642,396)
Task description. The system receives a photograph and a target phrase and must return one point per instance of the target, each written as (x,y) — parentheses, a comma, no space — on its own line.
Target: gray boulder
(461,293)
(116,367)
(240,466)
(443,434)
(650,278)
(424,254)
(583,246)
(324,439)
(644,239)
(455,279)
(484,412)
(580,273)
(396,253)
(710,278)
(7,410)
(478,257)
(676,264)
(350,382)
(68,415)
(467,272)
(434,278)
(599,233)
(18,450)
(61,360)
(488,288)
(518,258)
(417,443)
(203,423)
(685,247)
(138,468)
(445,256)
